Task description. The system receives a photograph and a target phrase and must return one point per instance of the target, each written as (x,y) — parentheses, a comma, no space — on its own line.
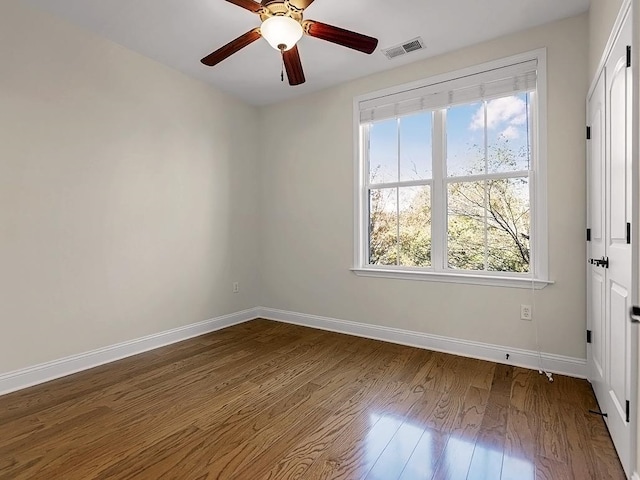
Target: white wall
(307,210)
(127,202)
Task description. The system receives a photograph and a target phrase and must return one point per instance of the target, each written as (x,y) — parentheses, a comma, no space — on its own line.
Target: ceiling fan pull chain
(282,68)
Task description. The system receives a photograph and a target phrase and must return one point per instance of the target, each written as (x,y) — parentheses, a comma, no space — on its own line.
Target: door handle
(634,313)
(600,262)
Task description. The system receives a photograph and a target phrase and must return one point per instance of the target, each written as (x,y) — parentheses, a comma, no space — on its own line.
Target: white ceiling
(179,33)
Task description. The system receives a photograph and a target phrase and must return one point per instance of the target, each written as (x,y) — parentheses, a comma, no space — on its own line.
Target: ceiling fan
(282,26)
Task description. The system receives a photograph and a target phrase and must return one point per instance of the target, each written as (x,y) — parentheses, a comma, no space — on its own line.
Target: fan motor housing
(280,7)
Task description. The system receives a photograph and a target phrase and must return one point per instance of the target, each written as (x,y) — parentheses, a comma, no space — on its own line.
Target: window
(451,177)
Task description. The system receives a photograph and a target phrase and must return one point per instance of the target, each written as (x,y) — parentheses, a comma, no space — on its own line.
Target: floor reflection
(383,428)
(514,468)
(393,440)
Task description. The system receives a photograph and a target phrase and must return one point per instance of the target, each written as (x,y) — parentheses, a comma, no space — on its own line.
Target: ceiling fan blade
(346,38)
(231,47)
(247,4)
(293,65)
(300,4)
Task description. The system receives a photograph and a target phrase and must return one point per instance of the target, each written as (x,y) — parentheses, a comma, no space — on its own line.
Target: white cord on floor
(541,369)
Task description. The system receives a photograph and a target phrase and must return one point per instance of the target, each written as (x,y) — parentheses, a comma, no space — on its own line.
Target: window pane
(415,146)
(383,151)
(506,220)
(415,226)
(465,140)
(383,226)
(508,133)
(508,225)
(466,221)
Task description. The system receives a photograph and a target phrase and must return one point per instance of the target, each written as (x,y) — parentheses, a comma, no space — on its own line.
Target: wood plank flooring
(265,400)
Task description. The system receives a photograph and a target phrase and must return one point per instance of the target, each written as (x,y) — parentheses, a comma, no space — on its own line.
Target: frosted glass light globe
(280,30)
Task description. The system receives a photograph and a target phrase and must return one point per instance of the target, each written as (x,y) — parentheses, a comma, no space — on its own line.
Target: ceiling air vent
(404,48)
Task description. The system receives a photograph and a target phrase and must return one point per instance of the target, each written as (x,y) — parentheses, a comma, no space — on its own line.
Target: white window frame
(538,277)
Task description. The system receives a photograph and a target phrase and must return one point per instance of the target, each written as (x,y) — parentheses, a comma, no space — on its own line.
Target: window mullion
(534,221)
(398,197)
(486,226)
(492,176)
(439,193)
(486,196)
(398,226)
(413,183)
(365,227)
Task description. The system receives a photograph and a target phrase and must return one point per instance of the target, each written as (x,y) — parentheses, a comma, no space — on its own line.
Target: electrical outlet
(236,287)
(525,312)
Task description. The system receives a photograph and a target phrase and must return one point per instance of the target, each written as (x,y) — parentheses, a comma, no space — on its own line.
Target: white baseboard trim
(27,377)
(570,366)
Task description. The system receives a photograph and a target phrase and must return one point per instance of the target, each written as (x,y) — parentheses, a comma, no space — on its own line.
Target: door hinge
(628,233)
(628,55)
(588,336)
(588,133)
(599,413)
(628,410)
(588,234)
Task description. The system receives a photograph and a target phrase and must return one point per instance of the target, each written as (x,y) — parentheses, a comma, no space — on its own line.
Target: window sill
(463,278)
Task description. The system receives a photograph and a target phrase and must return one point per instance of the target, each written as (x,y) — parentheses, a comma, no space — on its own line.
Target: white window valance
(498,82)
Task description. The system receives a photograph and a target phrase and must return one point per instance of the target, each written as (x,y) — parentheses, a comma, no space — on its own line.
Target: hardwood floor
(264,400)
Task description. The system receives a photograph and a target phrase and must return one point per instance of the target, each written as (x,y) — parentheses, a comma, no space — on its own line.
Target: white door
(610,281)
(596,284)
(618,240)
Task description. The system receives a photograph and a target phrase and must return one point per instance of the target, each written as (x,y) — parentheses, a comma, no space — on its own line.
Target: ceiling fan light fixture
(281,32)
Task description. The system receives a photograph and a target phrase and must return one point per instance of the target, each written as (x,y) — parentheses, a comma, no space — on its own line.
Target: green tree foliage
(403,240)
(488,227)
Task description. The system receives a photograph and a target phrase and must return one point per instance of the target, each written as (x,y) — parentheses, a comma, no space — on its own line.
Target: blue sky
(506,121)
